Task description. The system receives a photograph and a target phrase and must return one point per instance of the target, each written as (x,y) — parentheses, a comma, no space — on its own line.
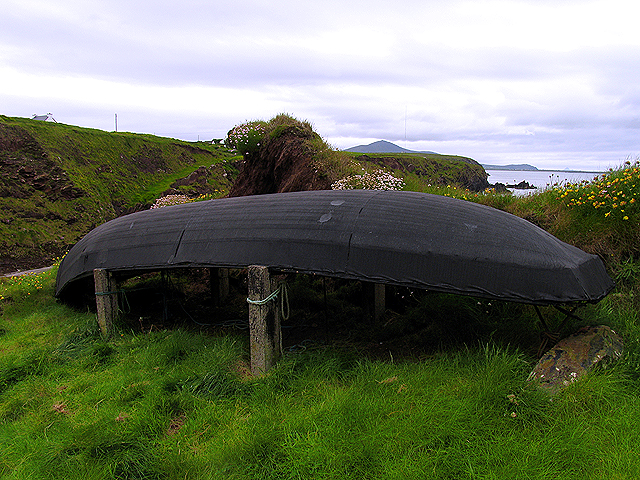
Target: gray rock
(575,355)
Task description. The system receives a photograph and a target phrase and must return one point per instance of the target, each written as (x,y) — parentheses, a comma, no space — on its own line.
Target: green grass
(111,174)
(421,172)
(176,403)
(437,389)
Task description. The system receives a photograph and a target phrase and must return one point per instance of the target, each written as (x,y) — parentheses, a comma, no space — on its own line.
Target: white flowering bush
(169,200)
(378,180)
(246,137)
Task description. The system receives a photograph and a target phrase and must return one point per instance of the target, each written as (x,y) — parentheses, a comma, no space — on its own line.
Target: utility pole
(405,126)
(116,122)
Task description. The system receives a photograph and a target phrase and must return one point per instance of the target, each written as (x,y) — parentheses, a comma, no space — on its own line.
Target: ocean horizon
(541,179)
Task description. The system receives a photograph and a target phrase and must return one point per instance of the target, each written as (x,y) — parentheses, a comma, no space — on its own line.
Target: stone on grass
(575,355)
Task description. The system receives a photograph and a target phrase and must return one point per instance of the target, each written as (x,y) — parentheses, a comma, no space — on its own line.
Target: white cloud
(548,26)
(504,80)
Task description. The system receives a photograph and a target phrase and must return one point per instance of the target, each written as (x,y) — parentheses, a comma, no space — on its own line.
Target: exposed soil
(283,165)
(26,168)
(199,182)
(29,174)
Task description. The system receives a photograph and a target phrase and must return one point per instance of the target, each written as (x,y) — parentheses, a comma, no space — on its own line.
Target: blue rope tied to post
(284,300)
(123,301)
(113,292)
(264,301)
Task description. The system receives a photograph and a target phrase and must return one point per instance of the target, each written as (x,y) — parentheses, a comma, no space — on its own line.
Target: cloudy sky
(552,83)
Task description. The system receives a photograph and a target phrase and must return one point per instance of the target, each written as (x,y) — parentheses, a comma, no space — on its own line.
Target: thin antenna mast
(405,126)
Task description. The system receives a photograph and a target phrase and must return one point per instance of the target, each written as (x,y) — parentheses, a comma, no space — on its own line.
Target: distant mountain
(519,166)
(381,146)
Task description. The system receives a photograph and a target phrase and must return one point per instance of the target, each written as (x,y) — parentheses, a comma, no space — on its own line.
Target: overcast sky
(552,83)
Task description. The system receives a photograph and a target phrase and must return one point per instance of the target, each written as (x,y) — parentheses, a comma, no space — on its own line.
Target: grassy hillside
(422,171)
(59,181)
(436,389)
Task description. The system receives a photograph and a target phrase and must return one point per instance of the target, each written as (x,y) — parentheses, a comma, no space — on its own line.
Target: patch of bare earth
(176,424)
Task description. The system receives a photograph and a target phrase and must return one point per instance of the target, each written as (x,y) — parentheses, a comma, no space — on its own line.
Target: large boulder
(575,355)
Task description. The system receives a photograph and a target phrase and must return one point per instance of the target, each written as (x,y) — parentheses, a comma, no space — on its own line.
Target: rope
(124,306)
(300,347)
(284,300)
(113,292)
(100,294)
(264,301)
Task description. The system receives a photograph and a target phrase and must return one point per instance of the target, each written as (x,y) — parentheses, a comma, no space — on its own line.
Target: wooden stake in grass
(375,299)
(106,299)
(264,321)
(219,284)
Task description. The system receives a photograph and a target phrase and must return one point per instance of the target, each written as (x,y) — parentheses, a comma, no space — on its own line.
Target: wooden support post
(106,300)
(375,298)
(219,284)
(379,300)
(264,322)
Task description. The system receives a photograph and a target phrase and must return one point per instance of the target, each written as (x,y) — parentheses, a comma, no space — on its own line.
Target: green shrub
(247,137)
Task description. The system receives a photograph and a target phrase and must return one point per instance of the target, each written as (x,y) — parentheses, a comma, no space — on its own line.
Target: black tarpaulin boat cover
(400,238)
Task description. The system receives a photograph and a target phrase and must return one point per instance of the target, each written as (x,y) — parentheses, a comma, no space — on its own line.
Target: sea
(541,179)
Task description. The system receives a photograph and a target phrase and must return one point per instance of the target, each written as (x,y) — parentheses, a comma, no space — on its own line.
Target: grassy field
(448,399)
(60,181)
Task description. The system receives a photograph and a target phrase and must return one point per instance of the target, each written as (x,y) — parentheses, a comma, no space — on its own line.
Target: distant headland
(516,166)
(383,146)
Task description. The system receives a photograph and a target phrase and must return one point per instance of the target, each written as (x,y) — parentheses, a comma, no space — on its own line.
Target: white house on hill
(44,118)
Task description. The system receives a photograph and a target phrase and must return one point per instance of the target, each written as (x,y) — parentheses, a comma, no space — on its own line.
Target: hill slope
(430,169)
(59,181)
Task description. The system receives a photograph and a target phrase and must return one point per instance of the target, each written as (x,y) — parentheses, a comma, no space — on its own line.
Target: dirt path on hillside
(27,272)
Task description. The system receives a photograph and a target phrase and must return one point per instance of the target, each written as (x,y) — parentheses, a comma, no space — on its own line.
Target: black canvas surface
(401,238)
